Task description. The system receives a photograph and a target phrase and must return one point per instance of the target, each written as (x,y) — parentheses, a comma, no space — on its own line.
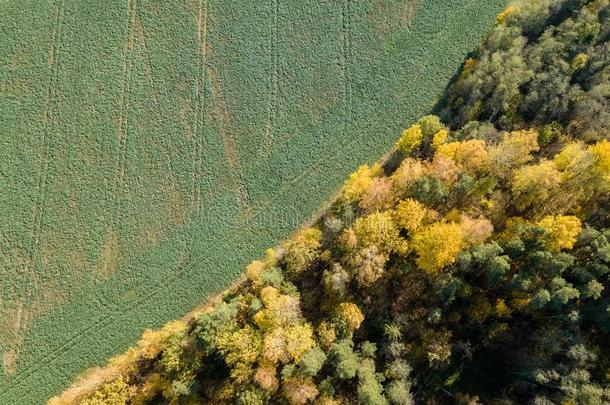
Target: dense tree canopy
(545,63)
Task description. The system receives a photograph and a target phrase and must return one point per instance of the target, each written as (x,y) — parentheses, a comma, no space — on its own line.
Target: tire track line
(347,57)
(47,117)
(267,141)
(410,10)
(122,135)
(229,144)
(202,38)
(138,29)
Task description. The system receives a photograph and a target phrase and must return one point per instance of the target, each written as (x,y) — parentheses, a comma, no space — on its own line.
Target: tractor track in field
(202,39)
(123,133)
(347,58)
(221,111)
(139,30)
(410,9)
(47,117)
(268,137)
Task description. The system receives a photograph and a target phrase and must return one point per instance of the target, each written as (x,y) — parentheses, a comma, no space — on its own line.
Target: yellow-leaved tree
(471,155)
(266,377)
(369,265)
(351,314)
(410,139)
(475,230)
(379,229)
(302,249)
(585,171)
(514,150)
(444,169)
(440,138)
(409,171)
(300,390)
(279,309)
(534,184)
(378,195)
(560,231)
(355,187)
(437,245)
(274,346)
(241,348)
(601,164)
(112,393)
(410,214)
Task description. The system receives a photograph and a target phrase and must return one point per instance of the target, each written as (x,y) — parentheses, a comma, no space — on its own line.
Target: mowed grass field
(150,149)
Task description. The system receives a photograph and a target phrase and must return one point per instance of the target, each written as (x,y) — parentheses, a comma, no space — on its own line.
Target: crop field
(143,143)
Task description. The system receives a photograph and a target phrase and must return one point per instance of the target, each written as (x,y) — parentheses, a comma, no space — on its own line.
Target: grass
(149,150)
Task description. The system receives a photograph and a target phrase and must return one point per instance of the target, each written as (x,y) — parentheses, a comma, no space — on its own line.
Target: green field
(143,142)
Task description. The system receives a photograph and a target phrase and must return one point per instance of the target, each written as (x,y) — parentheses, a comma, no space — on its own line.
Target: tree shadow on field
(441,107)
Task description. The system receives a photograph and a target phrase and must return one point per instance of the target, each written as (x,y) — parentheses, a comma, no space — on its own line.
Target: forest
(471,266)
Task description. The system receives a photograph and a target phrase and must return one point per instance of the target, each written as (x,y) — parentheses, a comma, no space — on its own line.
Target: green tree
(312,361)
(370,390)
(431,192)
(430,125)
(399,393)
(344,359)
